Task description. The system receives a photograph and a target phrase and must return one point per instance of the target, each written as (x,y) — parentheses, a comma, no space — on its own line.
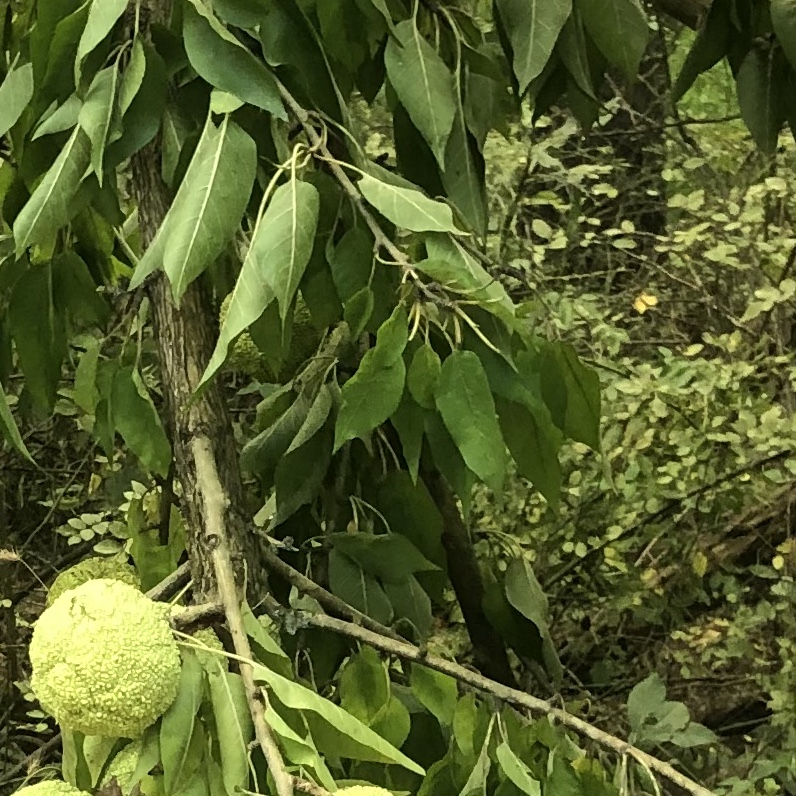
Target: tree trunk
(185,342)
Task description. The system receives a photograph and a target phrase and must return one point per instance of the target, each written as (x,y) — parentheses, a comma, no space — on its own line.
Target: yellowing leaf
(699,563)
(644,301)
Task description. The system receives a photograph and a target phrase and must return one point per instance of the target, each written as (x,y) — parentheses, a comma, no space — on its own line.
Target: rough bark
(185,342)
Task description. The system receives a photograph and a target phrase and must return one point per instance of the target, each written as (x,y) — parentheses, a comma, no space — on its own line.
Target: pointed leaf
(407,208)
(619,29)
(235,729)
(388,557)
(465,403)
(517,771)
(97,113)
(63,118)
(51,206)
(9,428)
(207,209)
(352,732)
(783,20)
(177,725)
(225,63)
(423,83)
(16,91)
(373,393)
(102,16)
(760,91)
(349,582)
(436,691)
(532,27)
(463,178)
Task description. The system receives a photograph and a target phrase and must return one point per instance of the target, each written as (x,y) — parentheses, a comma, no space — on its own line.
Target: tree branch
(214,501)
(409,652)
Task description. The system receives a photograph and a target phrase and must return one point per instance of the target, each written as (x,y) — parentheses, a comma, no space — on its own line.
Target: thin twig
(215,502)
(409,652)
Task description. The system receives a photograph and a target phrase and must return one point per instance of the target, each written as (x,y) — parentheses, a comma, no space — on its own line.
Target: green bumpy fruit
(207,637)
(91,569)
(245,357)
(51,787)
(104,660)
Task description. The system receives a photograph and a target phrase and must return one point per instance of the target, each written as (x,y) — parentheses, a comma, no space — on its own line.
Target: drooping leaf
(349,582)
(177,724)
(465,403)
(288,234)
(62,118)
(410,602)
(39,333)
(277,257)
(423,83)
(783,20)
(406,207)
(619,29)
(573,50)
(136,419)
(235,729)
(97,112)
(364,685)
(51,206)
(463,176)
(388,557)
(133,76)
(16,92)
(373,393)
(207,209)
(408,421)
(760,95)
(267,648)
(436,691)
(102,16)
(9,427)
(517,771)
(315,419)
(423,374)
(354,738)
(533,442)
(225,63)
(525,594)
(532,27)
(449,264)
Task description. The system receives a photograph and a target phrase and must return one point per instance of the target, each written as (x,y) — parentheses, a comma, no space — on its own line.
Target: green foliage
(89,569)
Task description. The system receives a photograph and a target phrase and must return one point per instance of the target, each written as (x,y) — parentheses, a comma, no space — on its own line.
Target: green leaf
(358,310)
(710,46)
(315,419)
(51,206)
(525,594)
(63,118)
(39,333)
(423,374)
(436,691)
(760,96)
(136,419)
(449,264)
(463,178)
(274,264)
(448,459)
(619,29)
(177,724)
(410,601)
(532,27)
(573,49)
(133,76)
(408,422)
(235,729)
(364,685)
(269,653)
(517,771)
(389,557)
(783,20)
(374,392)
(573,390)
(16,91)
(353,735)
(9,428)
(465,403)
(300,474)
(407,208)
(102,16)
(221,60)
(207,209)
(423,83)
(349,582)
(289,227)
(533,442)
(97,113)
